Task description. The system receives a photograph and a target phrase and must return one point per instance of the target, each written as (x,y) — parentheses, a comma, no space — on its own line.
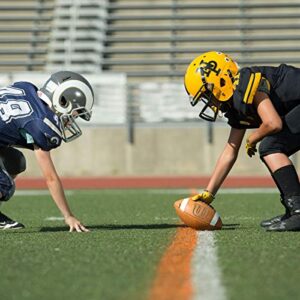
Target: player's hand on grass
(205,196)
(75,224)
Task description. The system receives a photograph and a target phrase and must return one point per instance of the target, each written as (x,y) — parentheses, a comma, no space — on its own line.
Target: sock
(278,186)
(287,181)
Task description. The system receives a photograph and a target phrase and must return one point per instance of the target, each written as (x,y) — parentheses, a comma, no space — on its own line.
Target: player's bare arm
(271,121)
(56,189)
(226,159)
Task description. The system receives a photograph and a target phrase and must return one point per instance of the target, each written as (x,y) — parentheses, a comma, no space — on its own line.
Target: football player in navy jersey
(40,119)
(265,99)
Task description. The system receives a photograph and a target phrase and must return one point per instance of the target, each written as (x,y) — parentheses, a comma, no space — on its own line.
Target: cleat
(274,220)
(279,218)
(291,223)
(7,223)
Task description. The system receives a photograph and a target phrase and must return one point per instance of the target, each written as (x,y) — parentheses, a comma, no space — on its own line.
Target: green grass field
(130,230)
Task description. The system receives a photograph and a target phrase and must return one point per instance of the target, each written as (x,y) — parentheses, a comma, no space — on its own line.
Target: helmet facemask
(69,127)
(210,105)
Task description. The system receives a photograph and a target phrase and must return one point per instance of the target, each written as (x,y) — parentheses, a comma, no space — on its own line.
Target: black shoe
(291,223)
(292,204)
(274,220)
(7,223)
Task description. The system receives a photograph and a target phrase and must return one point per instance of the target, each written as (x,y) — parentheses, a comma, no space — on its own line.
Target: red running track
(145,182)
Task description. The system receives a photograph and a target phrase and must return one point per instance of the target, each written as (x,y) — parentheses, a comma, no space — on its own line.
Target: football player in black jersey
(266,99)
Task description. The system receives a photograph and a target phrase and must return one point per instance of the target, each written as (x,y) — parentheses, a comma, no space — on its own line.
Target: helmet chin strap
(44,98)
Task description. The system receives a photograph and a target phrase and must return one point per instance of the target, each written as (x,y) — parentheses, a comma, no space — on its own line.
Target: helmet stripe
(72,84)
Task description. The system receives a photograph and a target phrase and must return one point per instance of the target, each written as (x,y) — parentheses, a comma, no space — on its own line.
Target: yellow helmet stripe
(252,87)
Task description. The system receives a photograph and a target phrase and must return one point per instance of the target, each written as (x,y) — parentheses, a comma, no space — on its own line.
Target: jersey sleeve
(239,121)
(264,86)
(42,134)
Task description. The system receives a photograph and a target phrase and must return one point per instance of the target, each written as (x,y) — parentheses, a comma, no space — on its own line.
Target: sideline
(35,193)
(236,190)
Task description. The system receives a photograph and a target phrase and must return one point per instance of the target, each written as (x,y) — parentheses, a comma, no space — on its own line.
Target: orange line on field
(173,277)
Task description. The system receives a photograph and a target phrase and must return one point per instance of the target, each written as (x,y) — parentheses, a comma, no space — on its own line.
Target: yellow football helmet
(209,78)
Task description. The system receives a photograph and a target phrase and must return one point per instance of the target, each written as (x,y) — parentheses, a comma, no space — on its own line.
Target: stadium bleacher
(150,42)
(159,38)
(77,35)
(144,38)
(24,34)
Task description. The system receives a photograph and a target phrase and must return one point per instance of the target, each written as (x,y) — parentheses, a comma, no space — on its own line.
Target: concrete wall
(156,151)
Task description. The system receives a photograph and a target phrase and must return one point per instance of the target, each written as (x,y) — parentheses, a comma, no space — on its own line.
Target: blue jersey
(26,120)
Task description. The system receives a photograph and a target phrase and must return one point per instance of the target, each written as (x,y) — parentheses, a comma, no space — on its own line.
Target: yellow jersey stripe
(252,87)
(249,86)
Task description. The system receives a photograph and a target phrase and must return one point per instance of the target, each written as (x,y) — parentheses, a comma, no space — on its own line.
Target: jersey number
(14,109)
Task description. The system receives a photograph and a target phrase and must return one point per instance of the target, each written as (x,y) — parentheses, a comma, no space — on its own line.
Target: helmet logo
(207,67)
(54,140)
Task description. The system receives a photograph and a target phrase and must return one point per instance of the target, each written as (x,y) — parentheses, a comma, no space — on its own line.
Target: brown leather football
(198,215)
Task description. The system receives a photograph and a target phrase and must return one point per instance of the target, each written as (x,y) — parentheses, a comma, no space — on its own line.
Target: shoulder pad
(46,137)
(246,84)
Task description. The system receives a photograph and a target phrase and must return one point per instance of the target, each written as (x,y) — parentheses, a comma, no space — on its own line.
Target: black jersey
(280,83)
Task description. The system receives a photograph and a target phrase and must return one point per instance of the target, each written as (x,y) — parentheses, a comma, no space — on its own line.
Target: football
(197,214)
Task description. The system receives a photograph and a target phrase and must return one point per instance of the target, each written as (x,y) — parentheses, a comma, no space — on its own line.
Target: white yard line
(249,191)
(221,191)
(54,219)
(38,192)
(161,191)
(206,274)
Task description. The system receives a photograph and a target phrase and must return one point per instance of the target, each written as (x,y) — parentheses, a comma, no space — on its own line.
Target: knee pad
(13,160)
(7,185)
